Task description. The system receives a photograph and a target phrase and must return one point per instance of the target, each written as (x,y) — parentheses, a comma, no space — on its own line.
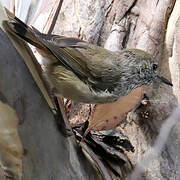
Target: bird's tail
(17,27)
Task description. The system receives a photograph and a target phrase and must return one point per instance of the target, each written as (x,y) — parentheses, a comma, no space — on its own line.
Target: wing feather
(68,52)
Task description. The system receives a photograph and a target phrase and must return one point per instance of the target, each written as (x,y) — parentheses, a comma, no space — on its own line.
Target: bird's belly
(80,92)
(70,86)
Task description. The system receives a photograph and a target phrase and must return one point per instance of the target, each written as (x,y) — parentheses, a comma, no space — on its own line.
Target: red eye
(155,67)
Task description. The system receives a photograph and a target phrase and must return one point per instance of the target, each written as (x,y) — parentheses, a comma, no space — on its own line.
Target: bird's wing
(88,62)
(67,51)
(58,45)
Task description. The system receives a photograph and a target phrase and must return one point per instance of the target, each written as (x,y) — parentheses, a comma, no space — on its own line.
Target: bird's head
(146,68)
(139,68)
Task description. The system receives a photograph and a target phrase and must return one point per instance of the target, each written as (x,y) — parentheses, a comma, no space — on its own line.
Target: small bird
(84,72)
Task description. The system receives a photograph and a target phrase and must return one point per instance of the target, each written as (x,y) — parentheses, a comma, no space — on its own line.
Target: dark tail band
(20,29)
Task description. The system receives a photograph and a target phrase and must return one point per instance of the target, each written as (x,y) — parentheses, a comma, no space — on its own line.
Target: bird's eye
(155,67)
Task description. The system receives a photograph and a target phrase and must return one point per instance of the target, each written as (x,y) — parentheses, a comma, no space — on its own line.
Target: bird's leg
(85,130)
(61,119)
(145,100)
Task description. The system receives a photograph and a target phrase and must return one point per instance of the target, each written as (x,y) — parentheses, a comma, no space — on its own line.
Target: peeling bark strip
(54,17)
(173,48)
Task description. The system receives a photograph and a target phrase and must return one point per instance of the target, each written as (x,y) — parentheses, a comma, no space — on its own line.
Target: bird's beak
(164,80)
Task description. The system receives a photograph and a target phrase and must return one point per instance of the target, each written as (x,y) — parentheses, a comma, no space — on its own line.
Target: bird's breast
(65,83)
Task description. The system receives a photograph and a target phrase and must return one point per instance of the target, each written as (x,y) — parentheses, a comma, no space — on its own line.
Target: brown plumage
(85,72)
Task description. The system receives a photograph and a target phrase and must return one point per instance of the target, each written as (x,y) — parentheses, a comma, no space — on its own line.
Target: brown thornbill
(85,72)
